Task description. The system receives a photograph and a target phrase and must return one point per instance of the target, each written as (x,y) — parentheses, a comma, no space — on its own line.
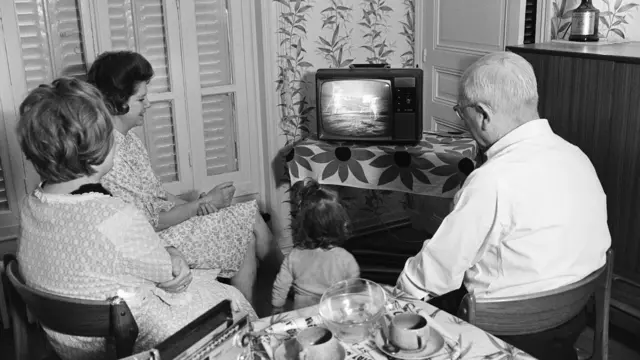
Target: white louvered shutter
(144,26)
(51,43)
(217,93)
(45,40)
(9,212)
(12,174)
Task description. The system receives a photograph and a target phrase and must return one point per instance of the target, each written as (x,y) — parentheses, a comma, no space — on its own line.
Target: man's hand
(180,270)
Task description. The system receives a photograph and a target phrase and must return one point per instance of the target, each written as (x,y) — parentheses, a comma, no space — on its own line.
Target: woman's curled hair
(117,75)
(321,221)
(65,129)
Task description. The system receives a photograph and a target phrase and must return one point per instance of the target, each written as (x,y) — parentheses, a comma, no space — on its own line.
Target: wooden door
(454,34)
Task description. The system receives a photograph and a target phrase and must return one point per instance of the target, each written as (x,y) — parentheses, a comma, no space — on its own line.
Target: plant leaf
(325,42)
(563,28)
(335,35)
(617,5)
(618,32)
(627,7)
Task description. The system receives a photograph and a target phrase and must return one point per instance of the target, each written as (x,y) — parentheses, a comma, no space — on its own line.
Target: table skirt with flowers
(463,341)
(427,168)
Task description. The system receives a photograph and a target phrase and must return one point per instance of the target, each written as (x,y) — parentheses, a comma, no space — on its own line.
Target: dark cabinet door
(623,169)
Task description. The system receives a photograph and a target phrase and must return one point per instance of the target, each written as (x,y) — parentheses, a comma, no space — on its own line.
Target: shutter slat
(212,36)
(152,41)
(121,25)
(69,50)
(160,133)
(530,21)
(219,133)
(36,56)
(4,199)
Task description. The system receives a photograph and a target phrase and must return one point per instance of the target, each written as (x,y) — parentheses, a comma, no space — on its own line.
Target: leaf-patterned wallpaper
(619,19)
(330,34)
(315,34)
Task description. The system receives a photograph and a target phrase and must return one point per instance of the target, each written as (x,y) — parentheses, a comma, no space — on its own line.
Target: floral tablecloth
(428,168)
(467,342)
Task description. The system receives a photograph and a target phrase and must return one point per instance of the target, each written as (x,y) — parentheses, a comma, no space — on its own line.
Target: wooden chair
(528,314)
(111,319)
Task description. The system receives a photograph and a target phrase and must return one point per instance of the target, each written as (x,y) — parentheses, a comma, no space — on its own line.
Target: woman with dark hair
(78,241)
(209,231)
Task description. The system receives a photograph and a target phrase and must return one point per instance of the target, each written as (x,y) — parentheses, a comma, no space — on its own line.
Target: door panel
(459,34)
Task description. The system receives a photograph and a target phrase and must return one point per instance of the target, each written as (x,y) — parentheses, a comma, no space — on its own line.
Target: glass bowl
(351,308)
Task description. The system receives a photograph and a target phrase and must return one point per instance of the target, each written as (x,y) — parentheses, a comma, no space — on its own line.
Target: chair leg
(602,306)
(20,327)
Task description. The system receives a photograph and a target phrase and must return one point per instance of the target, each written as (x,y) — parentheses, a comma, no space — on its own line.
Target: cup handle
(419,339)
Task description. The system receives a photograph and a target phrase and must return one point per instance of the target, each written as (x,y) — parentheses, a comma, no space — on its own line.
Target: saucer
(434,344)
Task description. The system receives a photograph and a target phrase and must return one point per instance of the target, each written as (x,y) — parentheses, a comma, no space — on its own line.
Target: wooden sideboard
(591,96)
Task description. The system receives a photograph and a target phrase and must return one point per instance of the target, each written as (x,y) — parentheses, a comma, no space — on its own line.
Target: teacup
(409,331)
(319,343)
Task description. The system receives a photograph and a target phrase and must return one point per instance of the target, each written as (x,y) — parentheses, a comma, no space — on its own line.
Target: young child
(317,261)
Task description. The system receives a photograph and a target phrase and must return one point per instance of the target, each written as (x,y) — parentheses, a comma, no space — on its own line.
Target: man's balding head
(503,87)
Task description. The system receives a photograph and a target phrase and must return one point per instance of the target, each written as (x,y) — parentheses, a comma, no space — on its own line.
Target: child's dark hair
(321,221)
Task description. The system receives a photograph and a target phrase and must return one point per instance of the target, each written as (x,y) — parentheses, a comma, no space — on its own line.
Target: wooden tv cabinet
(591,96)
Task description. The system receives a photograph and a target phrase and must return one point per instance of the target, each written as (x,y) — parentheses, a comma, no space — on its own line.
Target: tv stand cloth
(427,168)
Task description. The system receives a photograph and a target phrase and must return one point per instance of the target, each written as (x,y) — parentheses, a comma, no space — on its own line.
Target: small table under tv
(430,167)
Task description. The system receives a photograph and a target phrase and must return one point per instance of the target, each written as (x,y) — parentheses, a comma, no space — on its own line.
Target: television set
(369,104)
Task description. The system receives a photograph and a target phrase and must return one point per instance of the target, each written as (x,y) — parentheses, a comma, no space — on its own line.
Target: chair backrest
(110,319)
(519,315)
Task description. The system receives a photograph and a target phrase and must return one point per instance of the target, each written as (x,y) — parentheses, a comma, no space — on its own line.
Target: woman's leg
(265,243)
(270,255)
(245,279)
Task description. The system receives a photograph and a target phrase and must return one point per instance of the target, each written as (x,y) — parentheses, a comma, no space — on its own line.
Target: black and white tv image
(356,108)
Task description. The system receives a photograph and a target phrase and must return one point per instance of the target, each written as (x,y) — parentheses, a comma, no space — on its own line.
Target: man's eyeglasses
(458,109)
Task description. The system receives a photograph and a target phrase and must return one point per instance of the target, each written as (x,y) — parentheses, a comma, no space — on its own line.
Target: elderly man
(532,218)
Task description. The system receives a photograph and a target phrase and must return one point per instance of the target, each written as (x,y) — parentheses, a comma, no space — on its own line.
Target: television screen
(356,108)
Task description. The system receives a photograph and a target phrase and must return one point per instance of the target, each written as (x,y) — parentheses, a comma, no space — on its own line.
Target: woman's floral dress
(94,246)
(215,241)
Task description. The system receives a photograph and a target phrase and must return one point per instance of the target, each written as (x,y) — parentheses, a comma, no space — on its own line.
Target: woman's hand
(221,195)
(180,270)
(205,208)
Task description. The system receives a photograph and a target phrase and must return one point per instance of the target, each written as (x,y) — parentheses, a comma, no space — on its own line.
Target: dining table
(462,341)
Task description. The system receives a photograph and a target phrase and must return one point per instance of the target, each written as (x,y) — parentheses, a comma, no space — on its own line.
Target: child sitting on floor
(317,261)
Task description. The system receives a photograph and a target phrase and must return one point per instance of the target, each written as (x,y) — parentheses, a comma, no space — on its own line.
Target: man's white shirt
(532,218)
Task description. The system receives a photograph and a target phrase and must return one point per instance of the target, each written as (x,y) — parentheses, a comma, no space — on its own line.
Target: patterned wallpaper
(315,34)
(619,19)
(330,34)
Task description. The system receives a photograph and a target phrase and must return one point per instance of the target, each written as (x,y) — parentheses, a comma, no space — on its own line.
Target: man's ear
(486,113)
